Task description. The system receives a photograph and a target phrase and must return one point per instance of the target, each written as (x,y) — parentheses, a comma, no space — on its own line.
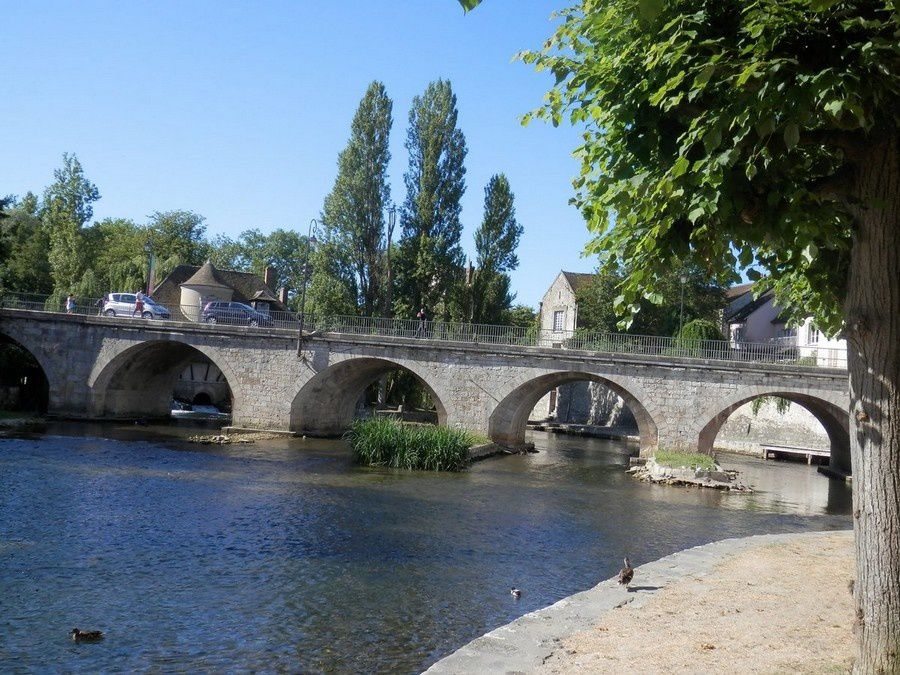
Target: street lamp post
(148,249)
(392,220)
(302,315)
(683,279)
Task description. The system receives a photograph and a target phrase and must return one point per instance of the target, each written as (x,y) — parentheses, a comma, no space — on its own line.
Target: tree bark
(873,333)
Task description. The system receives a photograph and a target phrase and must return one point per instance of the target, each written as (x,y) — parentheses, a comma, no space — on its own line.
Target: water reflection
(282,555)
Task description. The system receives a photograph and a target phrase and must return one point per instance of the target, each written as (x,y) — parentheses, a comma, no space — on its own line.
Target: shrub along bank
(380,441)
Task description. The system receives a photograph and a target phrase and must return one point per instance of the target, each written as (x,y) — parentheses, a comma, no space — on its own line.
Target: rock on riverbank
(717,477)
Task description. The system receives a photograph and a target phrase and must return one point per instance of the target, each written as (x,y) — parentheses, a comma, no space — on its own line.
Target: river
(283,556)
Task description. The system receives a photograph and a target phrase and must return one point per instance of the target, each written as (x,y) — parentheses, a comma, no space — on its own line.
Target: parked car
(122,304)
(235,314)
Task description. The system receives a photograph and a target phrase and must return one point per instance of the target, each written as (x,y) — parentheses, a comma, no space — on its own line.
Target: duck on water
(86,635)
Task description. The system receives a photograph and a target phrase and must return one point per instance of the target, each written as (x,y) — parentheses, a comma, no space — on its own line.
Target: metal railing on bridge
(776,351)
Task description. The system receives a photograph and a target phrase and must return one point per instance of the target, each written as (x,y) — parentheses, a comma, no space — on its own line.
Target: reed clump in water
(380,441)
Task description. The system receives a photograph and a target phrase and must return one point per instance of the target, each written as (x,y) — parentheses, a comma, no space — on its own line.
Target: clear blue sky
(237,110)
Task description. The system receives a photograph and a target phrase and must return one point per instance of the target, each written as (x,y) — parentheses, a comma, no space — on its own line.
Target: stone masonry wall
(97,364)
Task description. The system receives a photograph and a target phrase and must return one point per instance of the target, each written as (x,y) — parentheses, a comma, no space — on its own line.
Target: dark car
(234,314)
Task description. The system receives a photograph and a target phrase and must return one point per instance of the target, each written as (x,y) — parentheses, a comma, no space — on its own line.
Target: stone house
(559,307)
(579,402)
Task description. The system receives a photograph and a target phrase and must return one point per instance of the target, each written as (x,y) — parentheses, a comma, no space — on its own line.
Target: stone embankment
(737,605)
(11,425)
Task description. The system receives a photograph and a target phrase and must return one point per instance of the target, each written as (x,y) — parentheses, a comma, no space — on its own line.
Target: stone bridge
(102,367)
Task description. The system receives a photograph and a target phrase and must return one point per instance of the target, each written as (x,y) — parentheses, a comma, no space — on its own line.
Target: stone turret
(204,286)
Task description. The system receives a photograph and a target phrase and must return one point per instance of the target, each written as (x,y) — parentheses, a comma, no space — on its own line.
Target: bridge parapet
(773,352)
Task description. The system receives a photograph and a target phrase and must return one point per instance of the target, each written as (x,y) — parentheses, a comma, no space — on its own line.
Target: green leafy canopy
(721,133)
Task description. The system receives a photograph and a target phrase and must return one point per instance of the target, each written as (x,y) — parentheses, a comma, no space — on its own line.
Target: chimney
(269,277)
(282,296)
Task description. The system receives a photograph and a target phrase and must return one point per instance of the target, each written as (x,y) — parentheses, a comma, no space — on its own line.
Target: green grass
(676,460)
(381,441)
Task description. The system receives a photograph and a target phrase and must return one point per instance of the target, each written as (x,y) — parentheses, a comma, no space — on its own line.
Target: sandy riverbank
(773,609)
(767,604)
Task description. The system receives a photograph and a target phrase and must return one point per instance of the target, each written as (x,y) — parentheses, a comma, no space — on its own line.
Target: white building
(749,319)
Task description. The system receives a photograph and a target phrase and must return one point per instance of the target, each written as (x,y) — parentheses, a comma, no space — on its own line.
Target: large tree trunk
(873,332)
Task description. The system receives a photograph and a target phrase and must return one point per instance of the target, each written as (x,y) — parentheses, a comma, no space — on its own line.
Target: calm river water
(282,556)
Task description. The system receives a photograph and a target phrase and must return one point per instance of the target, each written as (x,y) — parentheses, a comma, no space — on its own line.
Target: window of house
(559,320)
(814,335)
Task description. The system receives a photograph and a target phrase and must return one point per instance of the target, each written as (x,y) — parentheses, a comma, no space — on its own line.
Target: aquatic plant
(381,441)
(694,460)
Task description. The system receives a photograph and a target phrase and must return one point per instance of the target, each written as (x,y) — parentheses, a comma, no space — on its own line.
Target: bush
(700,338)
(700,329)
(381,441)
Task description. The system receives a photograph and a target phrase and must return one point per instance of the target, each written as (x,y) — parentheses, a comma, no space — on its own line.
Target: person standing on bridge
(422,316)
(70,304)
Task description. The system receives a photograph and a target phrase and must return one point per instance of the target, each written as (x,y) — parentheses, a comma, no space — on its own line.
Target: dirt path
(777,608)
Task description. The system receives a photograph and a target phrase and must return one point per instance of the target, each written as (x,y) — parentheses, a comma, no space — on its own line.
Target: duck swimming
(86,635)
(515,592)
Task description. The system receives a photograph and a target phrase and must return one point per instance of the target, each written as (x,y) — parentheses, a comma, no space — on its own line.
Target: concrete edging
(524,644)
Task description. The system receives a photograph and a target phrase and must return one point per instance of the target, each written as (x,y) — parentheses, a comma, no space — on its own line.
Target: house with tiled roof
(187,288)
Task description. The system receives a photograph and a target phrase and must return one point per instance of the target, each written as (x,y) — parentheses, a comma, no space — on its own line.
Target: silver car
(122,304)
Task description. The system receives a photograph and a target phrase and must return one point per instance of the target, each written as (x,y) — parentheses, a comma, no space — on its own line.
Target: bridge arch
(326,404)
(139,380)
(506,425)
(41,380)
(834,419)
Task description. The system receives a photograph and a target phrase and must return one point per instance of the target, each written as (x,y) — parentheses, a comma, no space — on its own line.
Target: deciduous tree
(177,238)
(730,132)
(67,207)
(24,241)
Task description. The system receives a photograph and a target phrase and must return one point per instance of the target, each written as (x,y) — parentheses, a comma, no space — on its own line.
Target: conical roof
(206,276)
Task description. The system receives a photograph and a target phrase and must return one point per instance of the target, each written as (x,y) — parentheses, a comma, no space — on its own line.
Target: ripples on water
(283,556)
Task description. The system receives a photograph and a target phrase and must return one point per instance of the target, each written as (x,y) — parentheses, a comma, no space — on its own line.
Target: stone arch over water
(40,380)
(139,380)
(326,404)
(506,425)
(833,418)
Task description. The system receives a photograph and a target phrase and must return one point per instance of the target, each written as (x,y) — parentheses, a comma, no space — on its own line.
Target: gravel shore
(765,604)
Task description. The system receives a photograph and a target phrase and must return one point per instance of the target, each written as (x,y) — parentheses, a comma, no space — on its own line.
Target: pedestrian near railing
(421,328)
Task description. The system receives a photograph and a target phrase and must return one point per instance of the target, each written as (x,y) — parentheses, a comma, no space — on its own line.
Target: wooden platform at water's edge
(773,451)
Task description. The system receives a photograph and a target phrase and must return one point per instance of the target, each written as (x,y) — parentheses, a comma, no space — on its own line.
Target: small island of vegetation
(381,441)
(691,460)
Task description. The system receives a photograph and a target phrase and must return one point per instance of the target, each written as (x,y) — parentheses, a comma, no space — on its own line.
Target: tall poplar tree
(353,214)
(68,205)
(430,257)
(496,241)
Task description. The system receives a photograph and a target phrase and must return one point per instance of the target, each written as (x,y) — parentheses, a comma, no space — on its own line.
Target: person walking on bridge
(70,304)
(422,316)
(138,304)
